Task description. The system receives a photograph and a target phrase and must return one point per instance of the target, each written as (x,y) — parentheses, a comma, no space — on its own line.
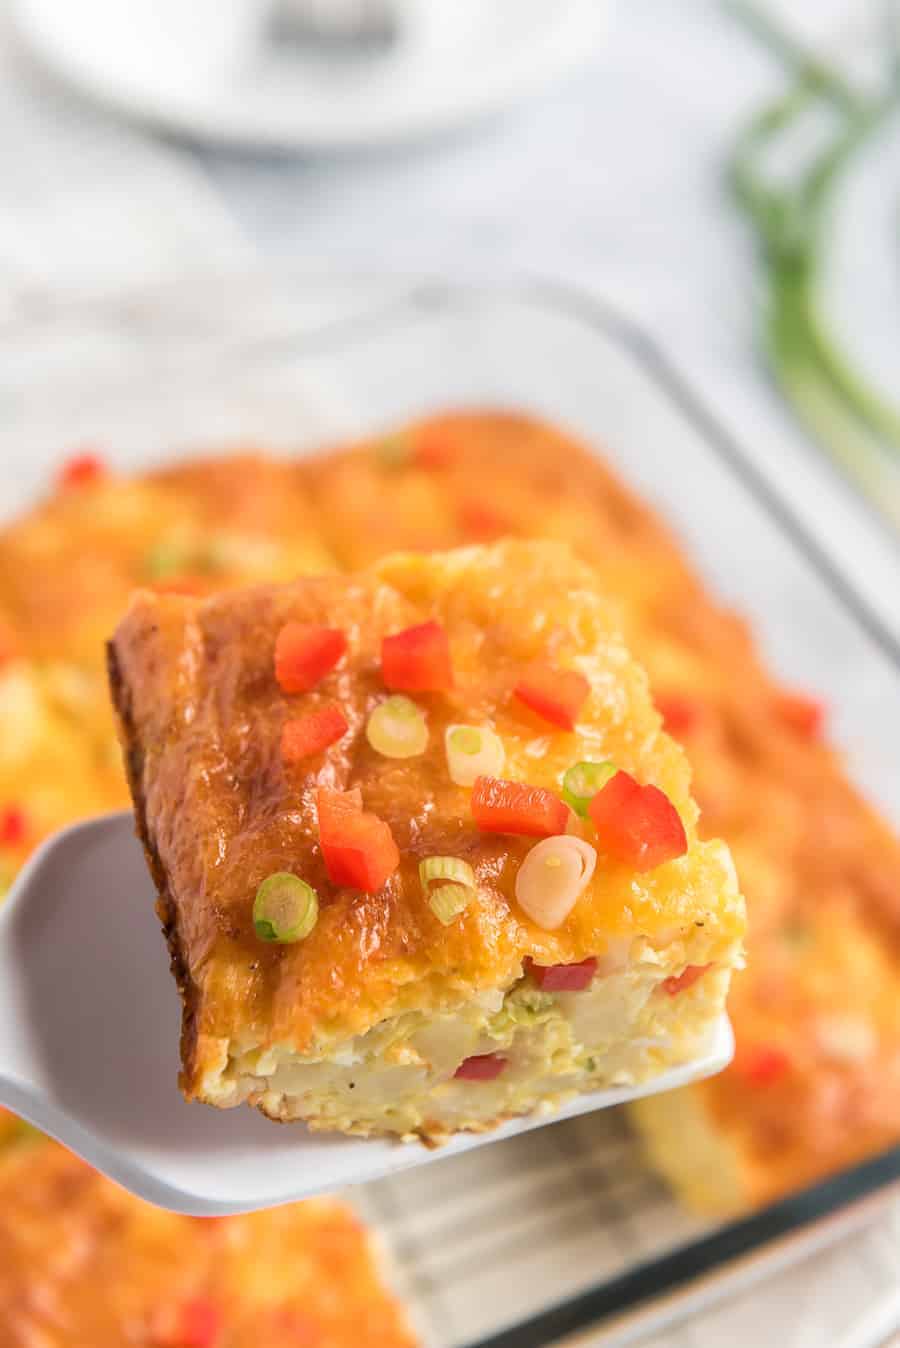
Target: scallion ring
(446,868)
(397,728)
(285,909)
(552,876)
(167,559)
(394,451)
(473,751)
(448,901)
(582,782)
(454,886)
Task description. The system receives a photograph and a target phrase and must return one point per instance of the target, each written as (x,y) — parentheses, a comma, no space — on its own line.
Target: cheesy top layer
(223,810)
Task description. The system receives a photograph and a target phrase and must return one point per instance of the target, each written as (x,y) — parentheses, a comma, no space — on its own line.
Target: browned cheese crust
(201,718)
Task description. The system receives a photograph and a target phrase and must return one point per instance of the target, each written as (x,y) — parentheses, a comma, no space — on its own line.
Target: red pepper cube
(805,715)
(481,1067)
(312,733)
(637,825)
(761,1064)
(358,848)
(81,471)
(680,714)
(304,654)
(681,982)
(13,826)
(516,807)
(556,695)
(417,660)
(197,1323)
(480,521)
(563,977)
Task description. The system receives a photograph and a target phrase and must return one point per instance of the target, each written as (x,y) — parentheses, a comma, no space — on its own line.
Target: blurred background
(723,179)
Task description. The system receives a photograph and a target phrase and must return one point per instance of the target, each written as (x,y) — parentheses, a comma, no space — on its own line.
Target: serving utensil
(89,1028)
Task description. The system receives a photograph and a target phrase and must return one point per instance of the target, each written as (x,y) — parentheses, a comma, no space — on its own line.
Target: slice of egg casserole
(425,857)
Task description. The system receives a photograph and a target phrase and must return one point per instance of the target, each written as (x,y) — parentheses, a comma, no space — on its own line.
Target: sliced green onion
(285,909)
(394,451)
(446,868)
(464,739)
(582,782)
(473,751)
(397,728)
(168,559)
(448,901)
(551,878)
(457,888)
(182,553)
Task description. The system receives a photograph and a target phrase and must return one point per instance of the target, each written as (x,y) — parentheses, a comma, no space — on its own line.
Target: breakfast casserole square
(425,856)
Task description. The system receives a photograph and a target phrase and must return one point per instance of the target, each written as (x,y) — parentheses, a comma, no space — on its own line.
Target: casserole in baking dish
(815,1013)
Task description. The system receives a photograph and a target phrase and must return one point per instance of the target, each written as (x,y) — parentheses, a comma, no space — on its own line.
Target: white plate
(205,69)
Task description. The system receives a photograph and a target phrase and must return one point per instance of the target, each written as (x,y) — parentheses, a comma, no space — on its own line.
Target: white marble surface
(612,184)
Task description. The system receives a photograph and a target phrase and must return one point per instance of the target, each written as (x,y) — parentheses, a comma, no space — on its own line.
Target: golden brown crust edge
(165,906)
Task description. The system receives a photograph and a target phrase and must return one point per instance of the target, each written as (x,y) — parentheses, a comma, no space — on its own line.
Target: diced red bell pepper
(481,1067)
(311,733)
(680,713)
(417,660)
(13,826)
(304,654)
(516,807)
(358,847)
(638,825)
(480,521)
(556,695)
(81,470)
(805,715)
(761,1064)
(563,977)
(433,446)
(681,982)
(197,1323)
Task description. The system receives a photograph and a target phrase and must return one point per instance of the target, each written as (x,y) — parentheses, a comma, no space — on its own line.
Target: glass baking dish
(533,1240)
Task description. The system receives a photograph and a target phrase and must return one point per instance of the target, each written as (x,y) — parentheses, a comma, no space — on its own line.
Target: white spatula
(89,1026)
